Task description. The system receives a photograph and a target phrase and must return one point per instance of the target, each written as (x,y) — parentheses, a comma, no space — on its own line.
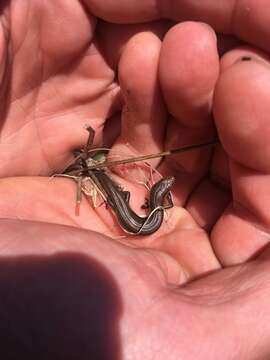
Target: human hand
(183,240)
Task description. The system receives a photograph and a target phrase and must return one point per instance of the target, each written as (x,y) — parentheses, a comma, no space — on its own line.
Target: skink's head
(163,186)
(169,181)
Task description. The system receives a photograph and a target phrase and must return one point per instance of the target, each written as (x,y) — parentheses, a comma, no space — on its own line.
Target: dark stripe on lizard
(118,200)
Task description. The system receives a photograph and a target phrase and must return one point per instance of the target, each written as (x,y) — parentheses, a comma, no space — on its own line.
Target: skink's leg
(169,201)
(145,205)
(126,195)
(168,205)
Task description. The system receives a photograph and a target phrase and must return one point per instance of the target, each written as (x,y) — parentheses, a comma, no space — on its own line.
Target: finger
(245,132)
(144,114)
(243,53)
(51,200)
(189,67)
(247,19)
(241,109)
(113,38)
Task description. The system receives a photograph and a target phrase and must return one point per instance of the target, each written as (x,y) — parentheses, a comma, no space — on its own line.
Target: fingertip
(242,54)
(144,113)
(241,110)
(138,58)
(189,67)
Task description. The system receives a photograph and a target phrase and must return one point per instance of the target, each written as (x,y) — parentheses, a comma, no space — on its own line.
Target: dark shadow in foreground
(64,306)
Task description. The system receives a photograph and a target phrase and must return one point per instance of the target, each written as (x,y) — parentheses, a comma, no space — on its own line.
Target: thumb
(241,110)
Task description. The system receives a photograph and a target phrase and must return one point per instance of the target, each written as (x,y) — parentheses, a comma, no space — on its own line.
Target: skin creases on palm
(60,81)
(46,120)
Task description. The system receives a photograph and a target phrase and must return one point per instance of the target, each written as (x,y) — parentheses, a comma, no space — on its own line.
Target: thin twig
(147,157)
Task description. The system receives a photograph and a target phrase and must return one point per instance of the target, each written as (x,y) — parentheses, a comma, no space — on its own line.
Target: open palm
(60,73)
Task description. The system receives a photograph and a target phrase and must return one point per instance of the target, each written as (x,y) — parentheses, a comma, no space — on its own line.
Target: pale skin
(58,76)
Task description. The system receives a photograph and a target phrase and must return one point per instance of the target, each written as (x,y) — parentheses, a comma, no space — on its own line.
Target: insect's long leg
(90,139)
(79,190)
(169,201)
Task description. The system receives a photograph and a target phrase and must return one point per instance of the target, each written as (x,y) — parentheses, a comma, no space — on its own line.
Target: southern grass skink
(118,200)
